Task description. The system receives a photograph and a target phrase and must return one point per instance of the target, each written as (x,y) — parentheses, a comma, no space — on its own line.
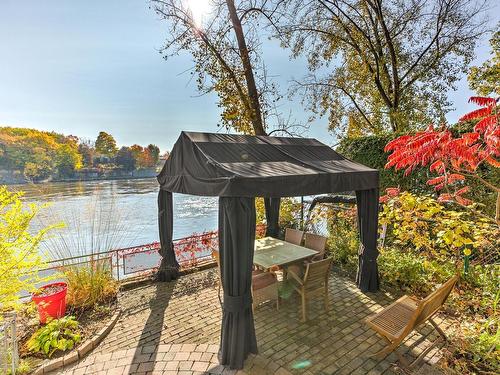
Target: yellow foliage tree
(19,248)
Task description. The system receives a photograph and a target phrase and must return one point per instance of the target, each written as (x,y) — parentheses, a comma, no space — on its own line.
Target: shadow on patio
(174,328)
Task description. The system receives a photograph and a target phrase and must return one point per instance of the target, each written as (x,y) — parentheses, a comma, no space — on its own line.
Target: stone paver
(174,328)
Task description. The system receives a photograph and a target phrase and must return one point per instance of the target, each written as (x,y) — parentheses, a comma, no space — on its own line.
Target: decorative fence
(9,356)
(191,252)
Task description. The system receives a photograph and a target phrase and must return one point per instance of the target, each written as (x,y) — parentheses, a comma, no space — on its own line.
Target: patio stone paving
(174,328)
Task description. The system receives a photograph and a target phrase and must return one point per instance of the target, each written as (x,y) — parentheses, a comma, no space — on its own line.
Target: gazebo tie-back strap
(361,249)
(237,303)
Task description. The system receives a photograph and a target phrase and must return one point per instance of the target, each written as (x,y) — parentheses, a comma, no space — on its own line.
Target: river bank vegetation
(39,155)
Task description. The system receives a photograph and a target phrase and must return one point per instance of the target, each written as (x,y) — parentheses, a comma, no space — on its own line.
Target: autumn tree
(87,150)
(68,159)
(142,156)
(485,79)
(105,144)
(125,158)
(225,45)
(377,65)
(38,154)
(454,159)
(154,151)
(136,151)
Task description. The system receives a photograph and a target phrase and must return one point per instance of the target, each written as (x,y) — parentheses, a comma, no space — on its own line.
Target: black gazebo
(238,168)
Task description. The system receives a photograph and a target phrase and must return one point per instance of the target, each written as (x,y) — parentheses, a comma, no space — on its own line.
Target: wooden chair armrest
(295,276)
(263,274)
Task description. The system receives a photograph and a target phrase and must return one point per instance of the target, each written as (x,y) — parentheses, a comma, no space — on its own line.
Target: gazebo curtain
(367,204)
(236,248)
(231,166)
(237,221)
(169,267)
(272,206)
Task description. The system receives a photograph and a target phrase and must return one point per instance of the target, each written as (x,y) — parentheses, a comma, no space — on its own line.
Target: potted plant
(50,301)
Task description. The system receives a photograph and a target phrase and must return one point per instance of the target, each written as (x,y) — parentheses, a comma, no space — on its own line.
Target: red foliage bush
(453,158)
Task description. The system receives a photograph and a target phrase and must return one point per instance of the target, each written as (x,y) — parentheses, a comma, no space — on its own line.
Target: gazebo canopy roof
(234,165)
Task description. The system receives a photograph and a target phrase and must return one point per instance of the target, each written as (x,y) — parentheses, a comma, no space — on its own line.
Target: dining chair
(264,288)
(294,236)
(264,284)
(314,282)
(316,242)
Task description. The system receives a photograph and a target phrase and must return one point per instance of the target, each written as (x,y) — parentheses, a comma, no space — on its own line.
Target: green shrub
(485,346)
(20,254)
(421,223)
(480,288)
(476,346)
(343,245)
(24,367)
(412,272)
(369,150)
(58,334)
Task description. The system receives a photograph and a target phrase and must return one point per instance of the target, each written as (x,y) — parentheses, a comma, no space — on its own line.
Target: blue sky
(79,67)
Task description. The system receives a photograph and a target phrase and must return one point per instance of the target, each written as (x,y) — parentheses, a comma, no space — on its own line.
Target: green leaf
(46,347)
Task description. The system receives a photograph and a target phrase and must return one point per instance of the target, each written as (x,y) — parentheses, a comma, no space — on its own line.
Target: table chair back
(316,274)
(316,242)
(294,236)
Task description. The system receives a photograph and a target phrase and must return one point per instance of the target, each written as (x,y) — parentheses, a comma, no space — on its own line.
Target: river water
(105,215)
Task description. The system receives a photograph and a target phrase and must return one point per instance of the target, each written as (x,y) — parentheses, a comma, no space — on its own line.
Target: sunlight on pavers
(174,328)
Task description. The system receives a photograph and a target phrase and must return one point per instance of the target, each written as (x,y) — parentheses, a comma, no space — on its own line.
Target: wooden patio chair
(316,242)
(400,318)
(264,284)
(294,236)
(264,288)
(314,282)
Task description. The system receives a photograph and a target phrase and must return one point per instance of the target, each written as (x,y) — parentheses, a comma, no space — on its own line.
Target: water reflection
(100,215)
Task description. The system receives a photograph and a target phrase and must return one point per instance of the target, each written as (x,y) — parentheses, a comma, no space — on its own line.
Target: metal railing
(9,356)
(132,261)
(191,252)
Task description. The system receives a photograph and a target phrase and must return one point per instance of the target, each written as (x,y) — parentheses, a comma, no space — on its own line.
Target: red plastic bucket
(52,305)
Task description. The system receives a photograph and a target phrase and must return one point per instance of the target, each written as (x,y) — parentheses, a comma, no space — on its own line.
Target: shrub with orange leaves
(453,158)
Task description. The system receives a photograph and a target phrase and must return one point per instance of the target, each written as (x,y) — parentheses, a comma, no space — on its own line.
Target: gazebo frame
(238,168)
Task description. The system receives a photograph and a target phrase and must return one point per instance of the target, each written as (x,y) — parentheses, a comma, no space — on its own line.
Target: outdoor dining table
(271,252)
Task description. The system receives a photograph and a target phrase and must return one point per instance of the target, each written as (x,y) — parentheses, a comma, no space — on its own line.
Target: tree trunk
(256,115)
(392,119)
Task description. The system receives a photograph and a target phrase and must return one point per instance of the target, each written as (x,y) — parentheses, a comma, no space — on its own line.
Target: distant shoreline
(8,178)
(77,180)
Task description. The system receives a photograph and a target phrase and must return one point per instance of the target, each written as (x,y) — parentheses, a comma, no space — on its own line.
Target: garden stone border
(81,351)
(146,278)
